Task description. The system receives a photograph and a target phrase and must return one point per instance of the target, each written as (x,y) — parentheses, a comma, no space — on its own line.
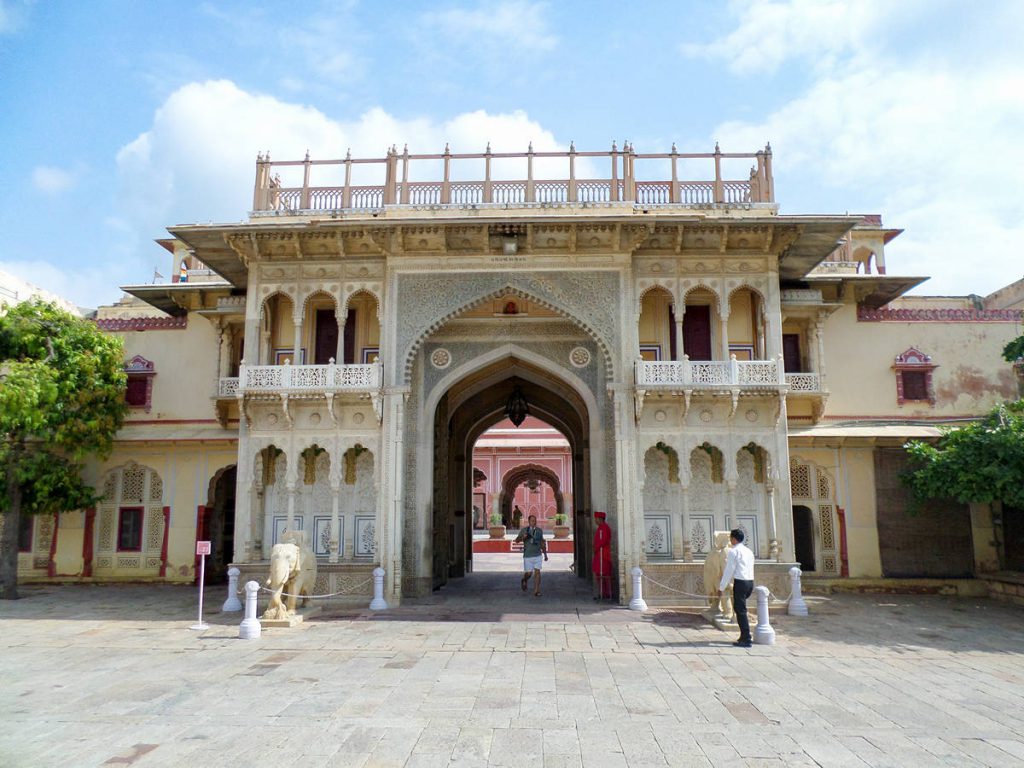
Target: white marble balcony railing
(309,378)
(678,374)
(803,382)
(227,386)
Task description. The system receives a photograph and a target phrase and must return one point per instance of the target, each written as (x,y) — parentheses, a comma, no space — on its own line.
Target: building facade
(330,364)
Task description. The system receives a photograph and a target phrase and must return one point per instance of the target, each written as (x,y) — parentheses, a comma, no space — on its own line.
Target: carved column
(224,357)
(677,530)
(292,493)
(819,331)
(680,311)
(258,524)
(812,348)
(297,353)
(335,529)
(724,325)
(339,316)
(684,498)
(350,521)
(773,539)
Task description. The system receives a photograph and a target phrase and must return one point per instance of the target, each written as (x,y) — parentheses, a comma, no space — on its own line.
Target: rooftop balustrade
(306,379)
(394,170)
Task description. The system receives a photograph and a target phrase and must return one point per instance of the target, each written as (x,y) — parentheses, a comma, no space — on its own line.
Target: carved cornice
(943,315)
(142,323)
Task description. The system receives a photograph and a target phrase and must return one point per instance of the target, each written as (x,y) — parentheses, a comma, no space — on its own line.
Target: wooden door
(697,332)
(326,336)
(791,352)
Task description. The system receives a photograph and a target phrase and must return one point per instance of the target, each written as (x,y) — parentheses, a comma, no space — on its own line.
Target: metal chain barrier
(349,591)
(774,598)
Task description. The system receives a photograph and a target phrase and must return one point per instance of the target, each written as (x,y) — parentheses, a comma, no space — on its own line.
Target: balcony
(307,379)
(461,182)
(803,382)
(712,374)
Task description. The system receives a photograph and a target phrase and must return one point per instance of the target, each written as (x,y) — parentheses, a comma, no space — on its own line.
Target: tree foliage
(62,387)
(982,462)
(1014,350)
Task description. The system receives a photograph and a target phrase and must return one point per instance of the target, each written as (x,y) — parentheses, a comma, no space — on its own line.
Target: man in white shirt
(739,567)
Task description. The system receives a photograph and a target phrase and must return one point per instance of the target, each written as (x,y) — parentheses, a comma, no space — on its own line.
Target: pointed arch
(507,290)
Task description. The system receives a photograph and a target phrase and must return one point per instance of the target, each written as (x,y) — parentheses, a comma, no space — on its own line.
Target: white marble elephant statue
(292,573)
(714,567)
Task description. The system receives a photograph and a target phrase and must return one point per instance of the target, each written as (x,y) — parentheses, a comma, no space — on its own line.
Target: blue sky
(120,117)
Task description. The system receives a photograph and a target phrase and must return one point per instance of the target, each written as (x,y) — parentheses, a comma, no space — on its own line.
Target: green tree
(981,462)
(1014,350)
(62,387)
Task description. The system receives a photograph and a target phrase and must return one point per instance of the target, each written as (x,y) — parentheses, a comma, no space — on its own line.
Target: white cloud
(930,144)
(498,26)
(770,32)
(83,286)
(51,180)
(197,160)
(13,14)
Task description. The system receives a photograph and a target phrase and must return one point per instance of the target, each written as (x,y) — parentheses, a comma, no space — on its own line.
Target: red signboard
(202,547)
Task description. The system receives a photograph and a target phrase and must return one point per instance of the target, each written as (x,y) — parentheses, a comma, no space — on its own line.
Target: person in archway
(535,550)
(517,516)
(602,562)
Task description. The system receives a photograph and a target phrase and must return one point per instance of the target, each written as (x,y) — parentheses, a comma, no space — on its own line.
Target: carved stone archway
(524,473)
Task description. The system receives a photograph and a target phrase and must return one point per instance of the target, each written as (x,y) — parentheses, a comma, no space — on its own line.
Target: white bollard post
(797,606)
(378,603)
(637,603)
(232,604)
(763,632)
(250,627)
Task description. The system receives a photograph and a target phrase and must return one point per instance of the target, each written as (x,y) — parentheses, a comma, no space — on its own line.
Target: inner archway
(469,408)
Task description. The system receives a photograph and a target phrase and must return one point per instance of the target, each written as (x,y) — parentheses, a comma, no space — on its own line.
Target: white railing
(803,382)
(714,373)
(227,386)
(309,378)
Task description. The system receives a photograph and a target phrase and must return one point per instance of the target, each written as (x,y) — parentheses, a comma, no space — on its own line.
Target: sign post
(202,549)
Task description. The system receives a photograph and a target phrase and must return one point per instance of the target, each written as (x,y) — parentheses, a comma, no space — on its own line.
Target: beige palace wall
(971,377)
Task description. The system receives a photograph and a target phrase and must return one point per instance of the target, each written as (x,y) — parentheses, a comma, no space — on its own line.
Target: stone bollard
(637,603)
(250,627)
(763,632)
(797,606)
(232,604)
(378,603)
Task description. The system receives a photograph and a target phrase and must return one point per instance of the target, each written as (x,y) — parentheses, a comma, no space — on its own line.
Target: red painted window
(138,389)
(914,377)
(915,385)
(129,529)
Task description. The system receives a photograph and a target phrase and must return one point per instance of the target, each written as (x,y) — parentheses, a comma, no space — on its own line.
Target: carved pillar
(723,316)
(332,555)
(680,311)
(773,539)
(819,332)
(814,363)
(677,530)
(339,316)
(684,498)
(297,353)
(350,522)
(258,520)
(392,495)
(292,493)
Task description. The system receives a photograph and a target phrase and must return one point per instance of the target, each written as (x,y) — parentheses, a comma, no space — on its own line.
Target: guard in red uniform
(602,562)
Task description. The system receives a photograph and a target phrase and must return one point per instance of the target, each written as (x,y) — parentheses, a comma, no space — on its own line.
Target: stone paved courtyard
(484,675)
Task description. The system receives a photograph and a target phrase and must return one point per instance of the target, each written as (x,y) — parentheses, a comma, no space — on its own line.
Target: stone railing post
(346,193)
(719,187)
(637,603)
(769,181)
(232,604)
(405,177)
(488,187)
(446,185)
(250,627)
(797,606)
(613,192)
(378,603)
(734,369)
(304,199)
(674,191)
(530,196)
(571,192)
(763,632)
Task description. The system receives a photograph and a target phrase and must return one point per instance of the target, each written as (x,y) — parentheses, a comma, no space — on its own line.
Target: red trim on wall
(844,558)
(163,545)
(51,567)
(142,323)
(945,315)
(88,546)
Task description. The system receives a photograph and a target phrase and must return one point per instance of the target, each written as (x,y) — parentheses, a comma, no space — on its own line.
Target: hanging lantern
(517,408)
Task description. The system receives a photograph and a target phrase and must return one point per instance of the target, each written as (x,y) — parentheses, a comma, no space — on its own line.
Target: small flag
(157,276)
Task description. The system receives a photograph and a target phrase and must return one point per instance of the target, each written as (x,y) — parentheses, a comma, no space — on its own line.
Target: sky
(120,118)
